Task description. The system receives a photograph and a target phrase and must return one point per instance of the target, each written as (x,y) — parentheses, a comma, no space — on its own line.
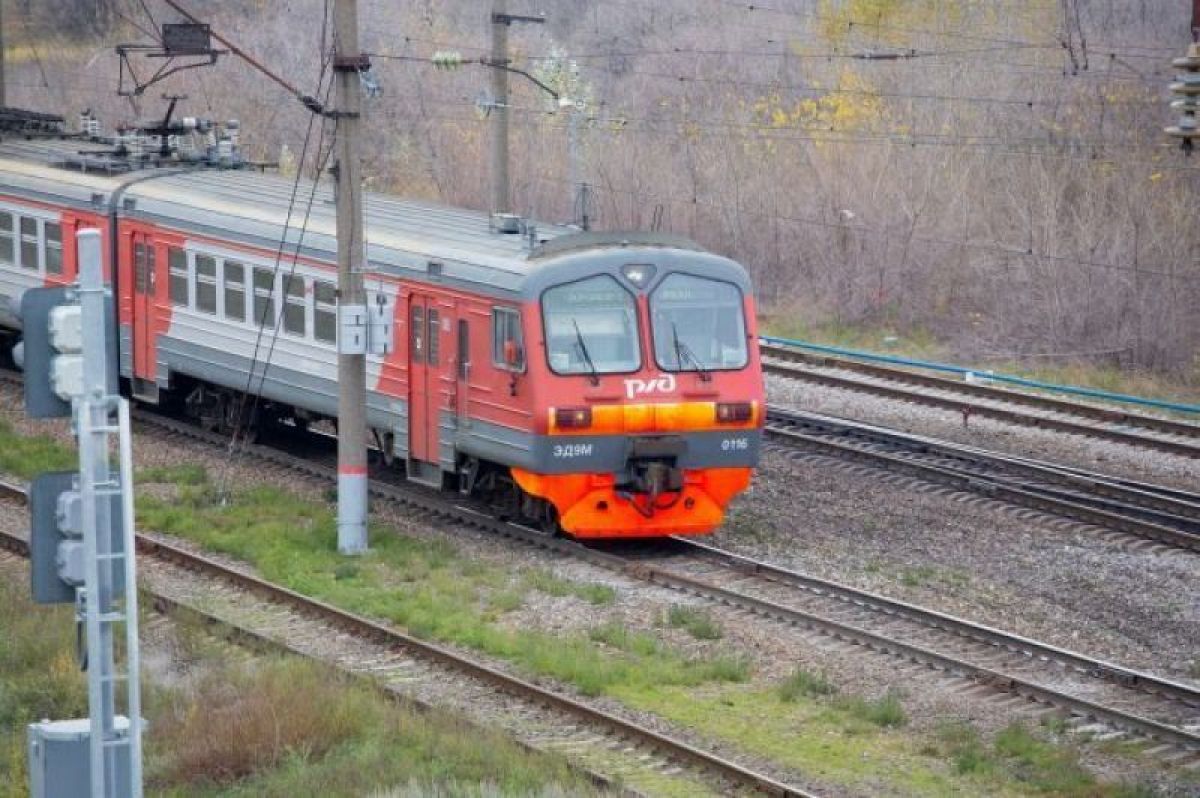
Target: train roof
(404,238)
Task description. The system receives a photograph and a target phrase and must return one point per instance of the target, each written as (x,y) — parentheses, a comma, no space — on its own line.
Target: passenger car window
(53,248)
(264,297)
(591,327)
(418,334)
(325,312)
(464,348)
(6,238)
(206,284)
(435,337)
(177,276)
(235,290)
(507,338)
(698,324)
(294,305)
(29,243)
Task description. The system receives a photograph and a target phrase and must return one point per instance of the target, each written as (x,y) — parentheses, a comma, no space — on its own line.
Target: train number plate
(735,444)
(568,450)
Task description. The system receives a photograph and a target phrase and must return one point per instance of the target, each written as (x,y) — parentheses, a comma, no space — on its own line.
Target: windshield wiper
(583,350)
(682,350)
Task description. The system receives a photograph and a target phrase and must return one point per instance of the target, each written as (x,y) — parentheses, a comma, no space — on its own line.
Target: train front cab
(648,395)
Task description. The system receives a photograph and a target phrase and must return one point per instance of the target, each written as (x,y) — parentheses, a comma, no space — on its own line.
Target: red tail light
(734,412)
(573,417)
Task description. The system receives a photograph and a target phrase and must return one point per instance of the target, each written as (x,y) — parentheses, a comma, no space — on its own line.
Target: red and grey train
(608,384)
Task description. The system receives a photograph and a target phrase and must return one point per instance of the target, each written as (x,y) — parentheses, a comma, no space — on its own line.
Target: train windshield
(591,327)
(698,324)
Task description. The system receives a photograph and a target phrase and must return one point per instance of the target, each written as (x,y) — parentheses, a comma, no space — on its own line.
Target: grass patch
(916,577)
(1042,765)
(41,678)
(698,622)
(544,581)
(925,575)
(965,749)
(807,684)
(27,456)
(224,729)
(428,587)
(188,474)
(887,711)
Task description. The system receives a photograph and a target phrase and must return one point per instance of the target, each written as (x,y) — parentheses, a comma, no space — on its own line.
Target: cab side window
(508,344)
(7,249)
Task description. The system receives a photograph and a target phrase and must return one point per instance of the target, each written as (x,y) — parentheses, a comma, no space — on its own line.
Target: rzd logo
(663,384)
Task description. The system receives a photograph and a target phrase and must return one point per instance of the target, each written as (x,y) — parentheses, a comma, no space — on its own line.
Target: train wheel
(550,520)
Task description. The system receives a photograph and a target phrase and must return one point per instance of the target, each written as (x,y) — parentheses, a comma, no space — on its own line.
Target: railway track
(553,721)
(1164,515)
(1134,705)
(985,401)
(1097,697)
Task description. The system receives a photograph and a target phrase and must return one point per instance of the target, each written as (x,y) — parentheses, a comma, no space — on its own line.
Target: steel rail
(1156,501)
(974,408)
(1007,641)
(434,506)
(371,630)
(874,641)
(781,425)
(240,634)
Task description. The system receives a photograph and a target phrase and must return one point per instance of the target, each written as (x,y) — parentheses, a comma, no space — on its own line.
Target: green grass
(698,622)
(27,456)
(544,581)
(1044,766)
(887,711)
(807,684)
(862,746)
(40,677)
(926,575)
(427,587)
(343,739)
(190,474)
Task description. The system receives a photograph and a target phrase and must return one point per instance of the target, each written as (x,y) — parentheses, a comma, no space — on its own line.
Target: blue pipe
(1008,378)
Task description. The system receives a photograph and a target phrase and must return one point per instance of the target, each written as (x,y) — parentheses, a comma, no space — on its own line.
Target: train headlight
(640,274)
(734,412)
(573,417)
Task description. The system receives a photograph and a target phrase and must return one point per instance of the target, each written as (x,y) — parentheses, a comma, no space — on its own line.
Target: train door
(425,363)
(145,365)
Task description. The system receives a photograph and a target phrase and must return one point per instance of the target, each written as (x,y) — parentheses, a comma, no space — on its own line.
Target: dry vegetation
(1009,190)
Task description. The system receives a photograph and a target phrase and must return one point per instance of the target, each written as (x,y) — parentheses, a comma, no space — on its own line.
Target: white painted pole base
(352,513)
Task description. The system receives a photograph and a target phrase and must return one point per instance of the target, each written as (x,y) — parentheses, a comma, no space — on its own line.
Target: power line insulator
(1186,89)
(447,59)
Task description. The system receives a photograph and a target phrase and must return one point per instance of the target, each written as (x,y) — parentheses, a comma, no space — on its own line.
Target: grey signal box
(42,400)
(58,759)
(56,537)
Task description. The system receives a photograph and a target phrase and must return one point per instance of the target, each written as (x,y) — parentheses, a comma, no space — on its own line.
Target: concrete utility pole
(348,62)
(500,65)
(3,96)
(501,195)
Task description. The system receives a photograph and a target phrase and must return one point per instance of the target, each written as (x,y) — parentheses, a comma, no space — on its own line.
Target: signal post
(81,539)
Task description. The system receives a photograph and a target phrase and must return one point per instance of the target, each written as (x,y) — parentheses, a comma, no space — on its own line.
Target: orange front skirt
(589,506)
